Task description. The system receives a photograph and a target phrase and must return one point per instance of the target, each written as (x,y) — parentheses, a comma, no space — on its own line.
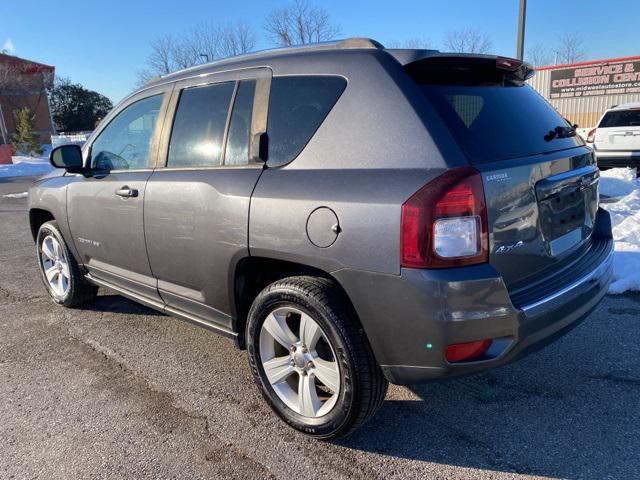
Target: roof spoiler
(405,56)
(435,66)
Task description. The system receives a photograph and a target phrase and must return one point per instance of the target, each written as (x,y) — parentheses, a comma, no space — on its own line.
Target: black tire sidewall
(51,228)
(340,417)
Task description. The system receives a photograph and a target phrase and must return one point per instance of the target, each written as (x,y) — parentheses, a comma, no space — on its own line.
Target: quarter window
(237,152)
(297,107)
(125,142)
(198,126)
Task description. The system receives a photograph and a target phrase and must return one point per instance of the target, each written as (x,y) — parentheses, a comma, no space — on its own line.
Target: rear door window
(198,126)
(297,107)
(237,152)
(493,123)
(622,118)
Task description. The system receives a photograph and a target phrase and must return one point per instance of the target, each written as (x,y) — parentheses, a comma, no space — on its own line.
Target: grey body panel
(196,226)
(108,230)
(533,225)
(367,203)
(49,193)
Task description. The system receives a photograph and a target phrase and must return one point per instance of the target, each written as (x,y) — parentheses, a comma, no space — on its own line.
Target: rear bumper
(613,159)
(409,319)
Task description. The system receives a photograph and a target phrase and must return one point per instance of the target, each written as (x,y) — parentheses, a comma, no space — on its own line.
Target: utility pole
(522,13)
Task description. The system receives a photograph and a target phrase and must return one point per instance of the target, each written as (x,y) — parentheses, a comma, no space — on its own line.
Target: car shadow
(118,304)
(543,415)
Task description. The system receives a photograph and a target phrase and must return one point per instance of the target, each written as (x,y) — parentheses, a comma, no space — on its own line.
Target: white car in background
(616,138)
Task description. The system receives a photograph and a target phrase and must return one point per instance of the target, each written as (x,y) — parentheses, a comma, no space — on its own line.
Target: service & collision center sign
(590,80)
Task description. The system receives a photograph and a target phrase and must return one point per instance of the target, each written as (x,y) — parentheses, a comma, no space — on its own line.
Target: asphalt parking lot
(115,390)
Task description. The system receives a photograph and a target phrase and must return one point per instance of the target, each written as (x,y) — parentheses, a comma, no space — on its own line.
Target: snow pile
(625,220)
(28,166)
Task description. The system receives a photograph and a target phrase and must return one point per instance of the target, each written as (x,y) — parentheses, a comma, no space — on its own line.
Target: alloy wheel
(302,369)
(55,265)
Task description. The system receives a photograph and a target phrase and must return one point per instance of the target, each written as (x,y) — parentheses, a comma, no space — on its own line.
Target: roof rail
(359,42)
(348,43)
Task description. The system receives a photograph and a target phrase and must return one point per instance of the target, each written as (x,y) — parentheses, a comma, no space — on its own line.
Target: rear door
(541,187)
(619,130)
(197,200)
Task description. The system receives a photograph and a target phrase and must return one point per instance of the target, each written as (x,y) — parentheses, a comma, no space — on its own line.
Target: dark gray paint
(380,143)
(196,230)
(108,230)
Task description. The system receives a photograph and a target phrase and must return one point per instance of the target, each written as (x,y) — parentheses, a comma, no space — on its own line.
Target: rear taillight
(444,224)
(591,136)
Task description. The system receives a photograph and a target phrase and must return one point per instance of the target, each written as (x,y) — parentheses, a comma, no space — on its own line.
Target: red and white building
(24,83)
(582,91)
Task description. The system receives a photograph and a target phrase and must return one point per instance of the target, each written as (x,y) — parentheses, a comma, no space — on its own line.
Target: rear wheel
(311,362)
(60,271)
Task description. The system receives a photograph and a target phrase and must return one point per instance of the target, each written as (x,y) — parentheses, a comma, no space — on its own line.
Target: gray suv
(351,215)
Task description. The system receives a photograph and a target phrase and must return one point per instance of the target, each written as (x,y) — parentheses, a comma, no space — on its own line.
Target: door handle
(127,192)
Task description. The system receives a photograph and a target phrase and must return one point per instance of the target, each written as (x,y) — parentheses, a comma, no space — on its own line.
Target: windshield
(495,123)
(622,118)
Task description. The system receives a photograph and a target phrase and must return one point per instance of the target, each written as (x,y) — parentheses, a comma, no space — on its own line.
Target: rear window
(622,118)
(297,107)
(198,126)
(493,123)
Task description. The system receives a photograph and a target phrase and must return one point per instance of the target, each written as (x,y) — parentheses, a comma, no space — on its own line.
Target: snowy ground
(625,219)
(28,166)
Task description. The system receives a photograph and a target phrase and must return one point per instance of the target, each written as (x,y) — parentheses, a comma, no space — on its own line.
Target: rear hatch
(619,130)
(540,181)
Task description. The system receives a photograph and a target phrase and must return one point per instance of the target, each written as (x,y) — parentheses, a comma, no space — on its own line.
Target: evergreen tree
(25,140)
(74,108)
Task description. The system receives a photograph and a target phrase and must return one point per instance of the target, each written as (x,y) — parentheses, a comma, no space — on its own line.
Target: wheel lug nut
(310,364)
(293,348)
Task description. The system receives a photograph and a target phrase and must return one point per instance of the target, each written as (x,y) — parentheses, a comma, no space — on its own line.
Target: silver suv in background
(616,138)
(351,215)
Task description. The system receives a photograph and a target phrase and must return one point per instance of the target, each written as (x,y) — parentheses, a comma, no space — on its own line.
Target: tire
(339,367)
(66,285)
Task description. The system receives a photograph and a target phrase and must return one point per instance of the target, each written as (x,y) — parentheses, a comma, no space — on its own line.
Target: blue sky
(103,44)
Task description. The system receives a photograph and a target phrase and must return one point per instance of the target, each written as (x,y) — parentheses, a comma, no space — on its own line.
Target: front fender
(49,194)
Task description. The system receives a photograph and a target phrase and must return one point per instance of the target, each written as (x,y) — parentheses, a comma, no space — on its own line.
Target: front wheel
(312,364)
(60,271)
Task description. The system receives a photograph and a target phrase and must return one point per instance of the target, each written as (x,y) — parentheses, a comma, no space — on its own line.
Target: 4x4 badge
(508,248)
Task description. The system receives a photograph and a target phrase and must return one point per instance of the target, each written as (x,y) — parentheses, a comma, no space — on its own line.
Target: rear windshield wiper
(560,132)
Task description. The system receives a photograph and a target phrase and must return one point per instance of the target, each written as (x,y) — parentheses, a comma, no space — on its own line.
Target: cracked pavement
(117,390)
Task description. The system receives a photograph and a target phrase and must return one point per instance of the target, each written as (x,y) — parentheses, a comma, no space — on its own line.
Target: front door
(197,206)
(105,206)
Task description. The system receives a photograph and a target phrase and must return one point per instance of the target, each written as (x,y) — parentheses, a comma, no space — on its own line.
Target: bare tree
(538,55)
(203,43)
(417,43)
(298,23)
(467,40)
(571,47)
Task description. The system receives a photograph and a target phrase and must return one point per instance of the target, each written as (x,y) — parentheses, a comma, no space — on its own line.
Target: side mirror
(68,157)
(259,147)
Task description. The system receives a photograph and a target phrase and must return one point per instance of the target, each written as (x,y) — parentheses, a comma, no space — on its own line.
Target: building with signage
(582,91)
(24,83)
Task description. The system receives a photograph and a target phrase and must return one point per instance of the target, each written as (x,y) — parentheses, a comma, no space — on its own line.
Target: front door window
(124,144)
